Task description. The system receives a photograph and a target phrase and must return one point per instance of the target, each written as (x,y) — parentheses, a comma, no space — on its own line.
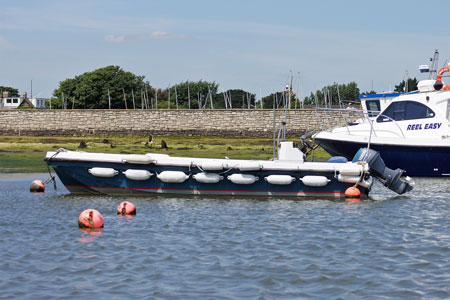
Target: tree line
(112,87)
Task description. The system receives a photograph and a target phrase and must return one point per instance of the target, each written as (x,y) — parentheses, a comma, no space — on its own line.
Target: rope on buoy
(90,218)
(126,208)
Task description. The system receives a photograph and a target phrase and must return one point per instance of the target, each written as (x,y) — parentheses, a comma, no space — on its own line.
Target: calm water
(389,247)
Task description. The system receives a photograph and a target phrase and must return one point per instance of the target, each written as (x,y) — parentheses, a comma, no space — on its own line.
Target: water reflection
(89,235)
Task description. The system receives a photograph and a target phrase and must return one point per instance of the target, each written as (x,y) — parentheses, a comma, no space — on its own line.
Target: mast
(176,96)
(296,92)
(189,97)
(109,99)
(168,106)
(124,98)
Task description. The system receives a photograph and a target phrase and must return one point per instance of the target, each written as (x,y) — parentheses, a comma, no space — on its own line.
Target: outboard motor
(390,178)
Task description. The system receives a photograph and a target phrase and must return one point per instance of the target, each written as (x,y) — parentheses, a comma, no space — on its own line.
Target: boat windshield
(405,110)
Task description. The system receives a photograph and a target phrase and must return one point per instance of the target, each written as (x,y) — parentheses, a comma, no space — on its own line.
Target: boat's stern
(392,179)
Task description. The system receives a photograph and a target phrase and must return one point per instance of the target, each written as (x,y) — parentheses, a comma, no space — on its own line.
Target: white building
(7,102)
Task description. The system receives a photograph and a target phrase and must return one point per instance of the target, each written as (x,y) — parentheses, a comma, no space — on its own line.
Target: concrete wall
(249,123)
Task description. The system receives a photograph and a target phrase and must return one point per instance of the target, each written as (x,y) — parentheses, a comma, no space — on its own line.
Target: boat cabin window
(448,110)
(373,107)
(8,100)
(405,110)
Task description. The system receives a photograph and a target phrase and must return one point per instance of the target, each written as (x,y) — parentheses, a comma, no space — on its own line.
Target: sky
(239,44)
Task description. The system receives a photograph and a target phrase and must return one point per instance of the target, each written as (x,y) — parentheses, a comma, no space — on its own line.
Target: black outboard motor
(390,178)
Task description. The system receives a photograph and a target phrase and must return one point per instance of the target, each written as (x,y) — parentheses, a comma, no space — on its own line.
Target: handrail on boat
(347,121)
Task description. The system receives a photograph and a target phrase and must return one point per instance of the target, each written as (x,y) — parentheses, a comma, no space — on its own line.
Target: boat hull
(417,161)
(77,179)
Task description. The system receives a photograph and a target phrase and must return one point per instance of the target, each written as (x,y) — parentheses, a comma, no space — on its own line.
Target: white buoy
(279,179)
(313,180)
(172,176)
(137,174)
(242,178)
(207,177)
(103,172)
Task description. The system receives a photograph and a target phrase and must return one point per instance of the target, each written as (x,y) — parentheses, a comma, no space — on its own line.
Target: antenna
(434,63)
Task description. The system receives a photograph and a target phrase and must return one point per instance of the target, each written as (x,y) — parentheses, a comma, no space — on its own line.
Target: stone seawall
(230,123)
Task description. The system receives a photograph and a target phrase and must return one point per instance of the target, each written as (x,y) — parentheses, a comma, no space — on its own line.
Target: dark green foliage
(369,93)
(281,99)
(412,85)
(238,98)
(277,97)
(12,91)
(90,90)
(189,94)
(347,93)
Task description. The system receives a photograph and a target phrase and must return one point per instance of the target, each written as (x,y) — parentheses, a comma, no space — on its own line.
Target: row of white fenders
(213,169)
(350,175)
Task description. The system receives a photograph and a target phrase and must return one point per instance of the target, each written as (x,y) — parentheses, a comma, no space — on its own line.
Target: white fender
(279,179)
(354,179)
(137,174)
(103,172)
(354,170)
(172,176)
(348,179)
(242,178)
(207,177)
(313,180)
(249,166)
(137,159)
(212,166)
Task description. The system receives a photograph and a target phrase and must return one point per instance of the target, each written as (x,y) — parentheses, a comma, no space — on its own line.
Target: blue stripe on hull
(77,179)
(416,161)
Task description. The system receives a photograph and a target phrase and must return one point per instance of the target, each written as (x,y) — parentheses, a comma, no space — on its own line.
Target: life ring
(439,76)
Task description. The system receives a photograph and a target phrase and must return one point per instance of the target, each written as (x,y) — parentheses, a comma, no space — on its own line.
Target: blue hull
(77,179)
(416,161)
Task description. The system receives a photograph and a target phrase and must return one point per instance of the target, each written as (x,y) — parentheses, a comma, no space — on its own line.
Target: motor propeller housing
(390,178)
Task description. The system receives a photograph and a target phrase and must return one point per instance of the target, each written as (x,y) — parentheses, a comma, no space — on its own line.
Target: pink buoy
(126,208)
(90,218)
(37,186)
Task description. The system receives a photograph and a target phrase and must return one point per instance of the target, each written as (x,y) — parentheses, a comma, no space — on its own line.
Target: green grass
(25,154)
(22,163)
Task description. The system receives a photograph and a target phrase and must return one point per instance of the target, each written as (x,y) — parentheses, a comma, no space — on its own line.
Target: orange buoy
(37,186)
(352,192)
(126,208)
(90,218)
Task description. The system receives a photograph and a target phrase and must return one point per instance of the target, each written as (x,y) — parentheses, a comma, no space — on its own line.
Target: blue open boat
(288,175)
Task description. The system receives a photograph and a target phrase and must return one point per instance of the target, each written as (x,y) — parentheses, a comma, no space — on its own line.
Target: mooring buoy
(37,186)
(90,218)
(126,208)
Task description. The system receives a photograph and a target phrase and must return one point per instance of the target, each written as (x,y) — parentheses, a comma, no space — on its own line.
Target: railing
(348,118)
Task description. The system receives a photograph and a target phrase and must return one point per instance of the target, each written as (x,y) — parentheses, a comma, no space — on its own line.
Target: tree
(238,99)
(11,91)
(93,89)
(191,94)
(412,85)
(278,97)
(333,94)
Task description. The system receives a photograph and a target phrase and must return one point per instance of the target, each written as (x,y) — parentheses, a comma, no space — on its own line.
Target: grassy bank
(21,154)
